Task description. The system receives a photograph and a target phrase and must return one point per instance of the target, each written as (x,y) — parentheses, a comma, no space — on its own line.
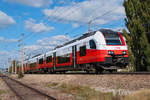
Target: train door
(74,56)
(54,62)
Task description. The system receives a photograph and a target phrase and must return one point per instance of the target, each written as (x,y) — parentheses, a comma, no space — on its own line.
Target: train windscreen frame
(111,37)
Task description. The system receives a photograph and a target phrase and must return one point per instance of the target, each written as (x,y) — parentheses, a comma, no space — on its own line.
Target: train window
(48,59)
(41,61)
(63,59)
(113,41)
(92,44)
(82,51)
(33,65)
(112,37)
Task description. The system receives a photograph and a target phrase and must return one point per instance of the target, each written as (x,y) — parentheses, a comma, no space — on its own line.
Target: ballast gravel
(120,84)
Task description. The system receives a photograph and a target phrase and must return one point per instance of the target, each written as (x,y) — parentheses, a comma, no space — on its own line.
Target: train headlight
(110,52)
(124,52)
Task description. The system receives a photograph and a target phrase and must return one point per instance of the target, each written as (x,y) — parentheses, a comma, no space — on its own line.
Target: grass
(53,84)
(20,75)
(2,92)
(83,92)
(143,94)
(86,93)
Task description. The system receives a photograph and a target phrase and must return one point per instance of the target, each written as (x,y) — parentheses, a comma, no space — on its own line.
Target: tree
(137,21)
(131,56)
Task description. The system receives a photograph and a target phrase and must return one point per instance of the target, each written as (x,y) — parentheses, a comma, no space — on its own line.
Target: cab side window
(92,44)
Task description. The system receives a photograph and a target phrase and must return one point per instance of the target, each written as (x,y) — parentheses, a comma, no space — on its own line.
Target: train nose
(117,52)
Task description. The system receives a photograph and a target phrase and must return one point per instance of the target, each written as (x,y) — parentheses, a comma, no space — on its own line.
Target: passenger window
(92,44)
(33,65)
(48,59)
(82,51)
(41,61)
(63,59)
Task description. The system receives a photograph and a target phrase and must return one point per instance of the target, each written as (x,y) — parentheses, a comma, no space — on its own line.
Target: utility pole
(22,69)
(8,65)
(12,67)
(4,69)
(16,66)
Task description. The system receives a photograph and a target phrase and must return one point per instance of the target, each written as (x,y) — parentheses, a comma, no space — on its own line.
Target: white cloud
(34,27)
(4,53)
(3,40)
(53,41)
(85,11)
(75,25)
(46,44)
(33,3)
(120,29)
(32,47)
(5,20)
(3,58)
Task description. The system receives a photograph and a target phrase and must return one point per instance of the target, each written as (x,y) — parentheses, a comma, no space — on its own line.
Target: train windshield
(111,37)
(113,41)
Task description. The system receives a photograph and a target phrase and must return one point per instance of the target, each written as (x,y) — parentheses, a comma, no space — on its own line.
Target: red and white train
(99,50)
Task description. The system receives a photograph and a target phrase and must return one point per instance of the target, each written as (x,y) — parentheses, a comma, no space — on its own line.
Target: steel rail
(103,73)
(26,86)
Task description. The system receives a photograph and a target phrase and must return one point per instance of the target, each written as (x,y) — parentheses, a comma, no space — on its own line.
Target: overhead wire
(106,13)
(61,19)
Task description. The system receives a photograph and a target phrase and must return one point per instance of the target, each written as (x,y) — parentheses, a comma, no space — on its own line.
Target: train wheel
(53,72)
(99,71)
(110,71)
(113,70)
(63,72)
(87,71)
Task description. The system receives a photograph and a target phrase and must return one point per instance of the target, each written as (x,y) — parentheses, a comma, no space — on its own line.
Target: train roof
(79,38)
(104,31)
(109,33)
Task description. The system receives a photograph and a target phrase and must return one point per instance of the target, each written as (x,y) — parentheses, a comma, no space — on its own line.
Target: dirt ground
(120,84)
(124,84)
(6,93)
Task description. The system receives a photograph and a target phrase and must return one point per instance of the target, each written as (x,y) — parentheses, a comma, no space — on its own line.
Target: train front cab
(113,50)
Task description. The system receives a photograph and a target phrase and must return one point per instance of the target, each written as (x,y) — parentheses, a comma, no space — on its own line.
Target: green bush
(20,75)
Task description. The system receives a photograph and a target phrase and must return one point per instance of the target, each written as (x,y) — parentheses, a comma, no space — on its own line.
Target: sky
(48,23)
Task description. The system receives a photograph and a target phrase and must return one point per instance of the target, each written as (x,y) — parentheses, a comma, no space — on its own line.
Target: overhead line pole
(8,65)
(16,65)
(22,69)
(12,67)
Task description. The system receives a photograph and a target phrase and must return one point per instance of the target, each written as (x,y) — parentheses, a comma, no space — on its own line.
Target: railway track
(127,73)
(1,75)
(25,92)
(103,73)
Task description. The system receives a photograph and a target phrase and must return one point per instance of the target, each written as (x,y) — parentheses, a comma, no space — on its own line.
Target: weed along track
(25,92)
